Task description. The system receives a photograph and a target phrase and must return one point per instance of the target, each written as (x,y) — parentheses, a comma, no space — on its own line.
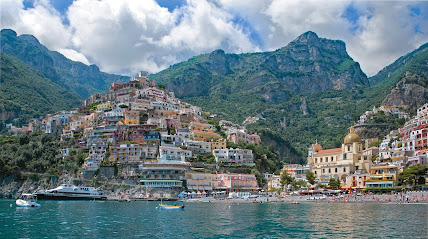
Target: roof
(329,151)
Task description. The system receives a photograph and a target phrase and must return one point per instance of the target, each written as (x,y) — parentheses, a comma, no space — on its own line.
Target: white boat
(169,207)
(71,192)
(27,200)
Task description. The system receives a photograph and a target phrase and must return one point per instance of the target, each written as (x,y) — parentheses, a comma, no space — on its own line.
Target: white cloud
(128,36)
(74,55)
(42,21)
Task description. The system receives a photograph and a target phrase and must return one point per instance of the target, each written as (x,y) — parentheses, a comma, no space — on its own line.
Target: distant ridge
(74,76)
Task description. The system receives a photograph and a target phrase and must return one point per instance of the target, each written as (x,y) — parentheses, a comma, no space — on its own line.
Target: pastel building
(132,117)
(341,162)
(204,136)
(237,156)
(200,181)
(126,153)
(383,176)
(168,154)
(232,182)
(163,175)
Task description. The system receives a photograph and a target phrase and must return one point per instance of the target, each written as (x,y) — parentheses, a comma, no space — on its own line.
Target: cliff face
(308,64)
(410,93)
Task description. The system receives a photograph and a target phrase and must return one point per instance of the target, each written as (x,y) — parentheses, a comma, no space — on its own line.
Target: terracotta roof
(328,151)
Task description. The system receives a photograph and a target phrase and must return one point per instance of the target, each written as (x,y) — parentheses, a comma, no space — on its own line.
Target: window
(329,170)
(323,170)
(335,170)
(344,170)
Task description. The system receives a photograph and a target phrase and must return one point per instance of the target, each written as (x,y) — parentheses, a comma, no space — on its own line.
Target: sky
(127,36)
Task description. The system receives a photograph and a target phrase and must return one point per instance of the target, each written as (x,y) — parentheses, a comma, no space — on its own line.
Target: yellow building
(132,117)
(201,127)
(383,176)
(218,144)
(199,181)
(103,107)
(339,163)
(204,136)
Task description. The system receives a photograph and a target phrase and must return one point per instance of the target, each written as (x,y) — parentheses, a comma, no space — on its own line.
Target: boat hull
(68,197)
(25,203)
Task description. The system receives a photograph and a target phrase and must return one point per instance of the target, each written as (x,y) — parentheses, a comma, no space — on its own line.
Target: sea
(137,219)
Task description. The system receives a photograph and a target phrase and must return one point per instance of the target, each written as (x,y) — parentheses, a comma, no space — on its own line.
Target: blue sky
(127,36)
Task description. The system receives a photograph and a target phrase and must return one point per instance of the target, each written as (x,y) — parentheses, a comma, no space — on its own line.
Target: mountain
(415,61)
(308,64)
(410,93)
(74,76)
(26,92)
(311,89)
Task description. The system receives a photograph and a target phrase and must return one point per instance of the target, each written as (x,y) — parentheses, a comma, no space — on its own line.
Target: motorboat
(164,206)
(27,200)
(71,192)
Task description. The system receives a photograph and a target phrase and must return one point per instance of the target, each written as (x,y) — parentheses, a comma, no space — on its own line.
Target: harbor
(218,219)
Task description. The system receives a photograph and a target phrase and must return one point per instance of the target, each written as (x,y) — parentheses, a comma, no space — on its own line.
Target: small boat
(295,202)
(164,206)
(27,200)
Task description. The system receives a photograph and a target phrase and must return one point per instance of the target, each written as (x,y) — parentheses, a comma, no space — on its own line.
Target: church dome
(352,137)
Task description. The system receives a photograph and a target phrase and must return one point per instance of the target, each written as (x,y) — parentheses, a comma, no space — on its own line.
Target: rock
(410,93)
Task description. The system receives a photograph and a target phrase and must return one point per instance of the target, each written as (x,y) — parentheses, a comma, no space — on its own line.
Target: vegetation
(26,93)
(252,86)
(334,183)
(77,78)
(413,175)
(266,159)
(38,154)
(310,176)
(285,179)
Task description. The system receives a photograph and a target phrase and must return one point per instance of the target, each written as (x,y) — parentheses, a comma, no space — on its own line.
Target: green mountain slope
(25,92)
(310,89)
(415,62)
(76,77)
(307,65)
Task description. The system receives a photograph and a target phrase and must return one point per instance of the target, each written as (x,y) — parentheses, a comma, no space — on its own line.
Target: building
(163,175)
(126,153)
(174,154)
(341,162)
(204,136)
(218,144)
(236,156)
(383,176)
(274,183)
(414,134)
(199,181)
(232,182)
(296,170)
(132,117)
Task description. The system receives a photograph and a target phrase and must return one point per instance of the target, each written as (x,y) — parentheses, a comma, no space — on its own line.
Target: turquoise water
(83,219)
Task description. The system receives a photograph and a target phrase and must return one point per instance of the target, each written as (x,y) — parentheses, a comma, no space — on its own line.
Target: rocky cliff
(410,93)
(308,64)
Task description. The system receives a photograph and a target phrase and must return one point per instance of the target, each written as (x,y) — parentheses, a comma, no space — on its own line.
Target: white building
(237,156)
(167,154)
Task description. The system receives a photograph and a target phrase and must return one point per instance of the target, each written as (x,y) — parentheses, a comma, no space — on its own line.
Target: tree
(412,174)
(334,183)
(310,176)
(285,179)
(299,184)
